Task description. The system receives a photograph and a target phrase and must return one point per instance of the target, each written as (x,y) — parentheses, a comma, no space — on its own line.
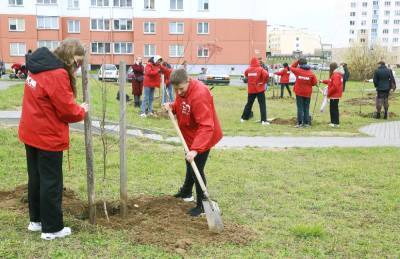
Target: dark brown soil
(279,121)
(372,115)
(160,221)
(369,99)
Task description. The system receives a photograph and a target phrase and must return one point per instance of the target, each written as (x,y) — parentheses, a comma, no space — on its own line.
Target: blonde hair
(68,49)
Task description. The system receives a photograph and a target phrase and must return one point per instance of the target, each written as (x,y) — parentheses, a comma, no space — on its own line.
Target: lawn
(299,202)
(230,101)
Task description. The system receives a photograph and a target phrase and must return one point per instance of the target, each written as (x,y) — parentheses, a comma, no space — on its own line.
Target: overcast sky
(324,17)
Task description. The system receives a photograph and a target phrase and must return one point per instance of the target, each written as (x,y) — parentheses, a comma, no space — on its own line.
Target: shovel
(211,208)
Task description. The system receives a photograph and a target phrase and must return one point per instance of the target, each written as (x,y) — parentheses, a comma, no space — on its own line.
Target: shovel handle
(185,146)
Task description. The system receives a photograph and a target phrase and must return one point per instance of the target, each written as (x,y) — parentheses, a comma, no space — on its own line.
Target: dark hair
(178,77)
(332,67)
(382,63)
(286,65)
(302,61)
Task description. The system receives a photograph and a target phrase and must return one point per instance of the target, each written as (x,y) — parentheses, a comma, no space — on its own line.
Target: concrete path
(6,84)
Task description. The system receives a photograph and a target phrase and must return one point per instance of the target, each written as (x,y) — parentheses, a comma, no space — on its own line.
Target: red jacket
(284,74)
(167,74)
(257,77)
(305,80)
(152,75)
(197,117)
(335,85)
(48,106)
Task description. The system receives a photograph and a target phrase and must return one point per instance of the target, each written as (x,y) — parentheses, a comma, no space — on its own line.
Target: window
(73,4)
(149,28)
(351,40)
(363,31)
(203,5)
(15,24)
(50,44)
(176,4)
(123,25)
(100,3)
(352,14)
(374,21)
(397,3)
(365,4)
(352,23)
(375,3)
(351,31)
(202,52)
(74,26)
(387,3)
(149,5)
(149,50)
(16,2)
(375,12)
(101,47)
(396,31)
(395,40)
(385,31)
(100,24)
(47,1)
(176,51)
(176,27)
(387,13)
(363,23)
(397,13)
(396,21)
(374,30)
(386,22)
(122,3)
(47,22)
(202,28)
(364,13)
(123,48)
(353,5)
(385,40)
(17,49)
(362,40)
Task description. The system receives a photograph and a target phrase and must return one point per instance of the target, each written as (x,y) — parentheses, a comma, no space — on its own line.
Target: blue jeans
(303,109)
(148,96)
(170,93)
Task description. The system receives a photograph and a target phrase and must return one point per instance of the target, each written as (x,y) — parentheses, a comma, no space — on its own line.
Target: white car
(214,77)
(108,72)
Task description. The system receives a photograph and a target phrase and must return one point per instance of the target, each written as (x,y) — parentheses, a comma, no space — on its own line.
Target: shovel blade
(213,215)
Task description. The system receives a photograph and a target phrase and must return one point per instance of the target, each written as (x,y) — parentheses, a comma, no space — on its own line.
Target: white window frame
(397,13)
(387,3)
(201,52)
(73,4)
(76,26)
(396,31)
(121,44)
(174,5)
(100,3)
(20,52)
(15,2)
(397,22)
(47,22)
(175,27)
(149,50)
(203,4)
(46,2)
(123,22)
(149,4)
(123,3)
(149,27)
(102,22)
(18,22)
(176,51)
(202,24)
(104,44)
(50,44)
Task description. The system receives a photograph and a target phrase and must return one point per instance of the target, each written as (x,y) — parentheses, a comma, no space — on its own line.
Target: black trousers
(283,89)
(190,178)
(45,188)
(249,105)
(303,109)
(334,110)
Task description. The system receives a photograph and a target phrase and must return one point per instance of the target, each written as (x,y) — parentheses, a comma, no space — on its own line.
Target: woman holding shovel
(198,123)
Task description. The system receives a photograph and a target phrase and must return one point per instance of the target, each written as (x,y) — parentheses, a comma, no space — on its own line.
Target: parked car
(129,74)
(214,77)
(108,72)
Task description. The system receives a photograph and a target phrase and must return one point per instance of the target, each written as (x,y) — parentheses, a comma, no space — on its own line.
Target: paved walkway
(6,84)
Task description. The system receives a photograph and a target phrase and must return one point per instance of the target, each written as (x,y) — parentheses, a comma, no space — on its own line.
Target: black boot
(378,115)
(385,116)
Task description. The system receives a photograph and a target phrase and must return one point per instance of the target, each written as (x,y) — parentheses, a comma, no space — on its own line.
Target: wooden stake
(122,140)
(88,143)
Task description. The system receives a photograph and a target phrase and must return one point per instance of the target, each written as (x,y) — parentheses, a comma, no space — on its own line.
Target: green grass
(229,102)
(302,203)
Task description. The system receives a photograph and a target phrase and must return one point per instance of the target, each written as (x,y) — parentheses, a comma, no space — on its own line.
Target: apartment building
(375,22)
(202,32)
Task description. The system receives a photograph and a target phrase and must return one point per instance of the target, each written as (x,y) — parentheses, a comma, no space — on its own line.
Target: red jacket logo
(31,82)
(185,109)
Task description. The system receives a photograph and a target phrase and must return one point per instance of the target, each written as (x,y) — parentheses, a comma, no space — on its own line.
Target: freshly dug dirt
(160,221)
(279,121)
(369,99)
(372,115)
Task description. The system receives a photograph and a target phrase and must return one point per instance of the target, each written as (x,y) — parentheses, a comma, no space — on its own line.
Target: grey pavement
(4,84)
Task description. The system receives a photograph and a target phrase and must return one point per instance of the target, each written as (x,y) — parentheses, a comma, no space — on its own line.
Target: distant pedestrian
(137,81)
(27,55)
(284,80)
(346,75)
(168,92)
(335,90)
(384,82)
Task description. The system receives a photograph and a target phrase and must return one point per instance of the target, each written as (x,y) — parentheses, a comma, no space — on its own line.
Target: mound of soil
(160,221)
(369,99)
(279,121)
(372,115)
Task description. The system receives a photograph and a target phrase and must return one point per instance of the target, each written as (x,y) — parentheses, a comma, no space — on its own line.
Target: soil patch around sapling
(279,121)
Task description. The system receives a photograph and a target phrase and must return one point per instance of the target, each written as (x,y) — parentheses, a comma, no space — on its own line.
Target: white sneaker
(265,123)
(60,234)
(35,226)
(143,115)
(332,125)
(188,199)
(150,114)
(241,120)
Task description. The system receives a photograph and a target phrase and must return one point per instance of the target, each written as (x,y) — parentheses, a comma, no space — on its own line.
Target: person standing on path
(198,121)
(257,77)
(284,80)
(137,81)
(346,75)
(383,82)
(47,109)
(305,80)
(335,90)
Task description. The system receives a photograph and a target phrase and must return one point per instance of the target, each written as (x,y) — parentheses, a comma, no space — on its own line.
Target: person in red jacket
(335,90)
(257,77)
(284,80)
(198,121)
(137,80)
(305,80)
(48,107)
(167,70)
(152,80)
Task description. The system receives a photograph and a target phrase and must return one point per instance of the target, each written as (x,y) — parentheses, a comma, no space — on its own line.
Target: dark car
(2,68)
